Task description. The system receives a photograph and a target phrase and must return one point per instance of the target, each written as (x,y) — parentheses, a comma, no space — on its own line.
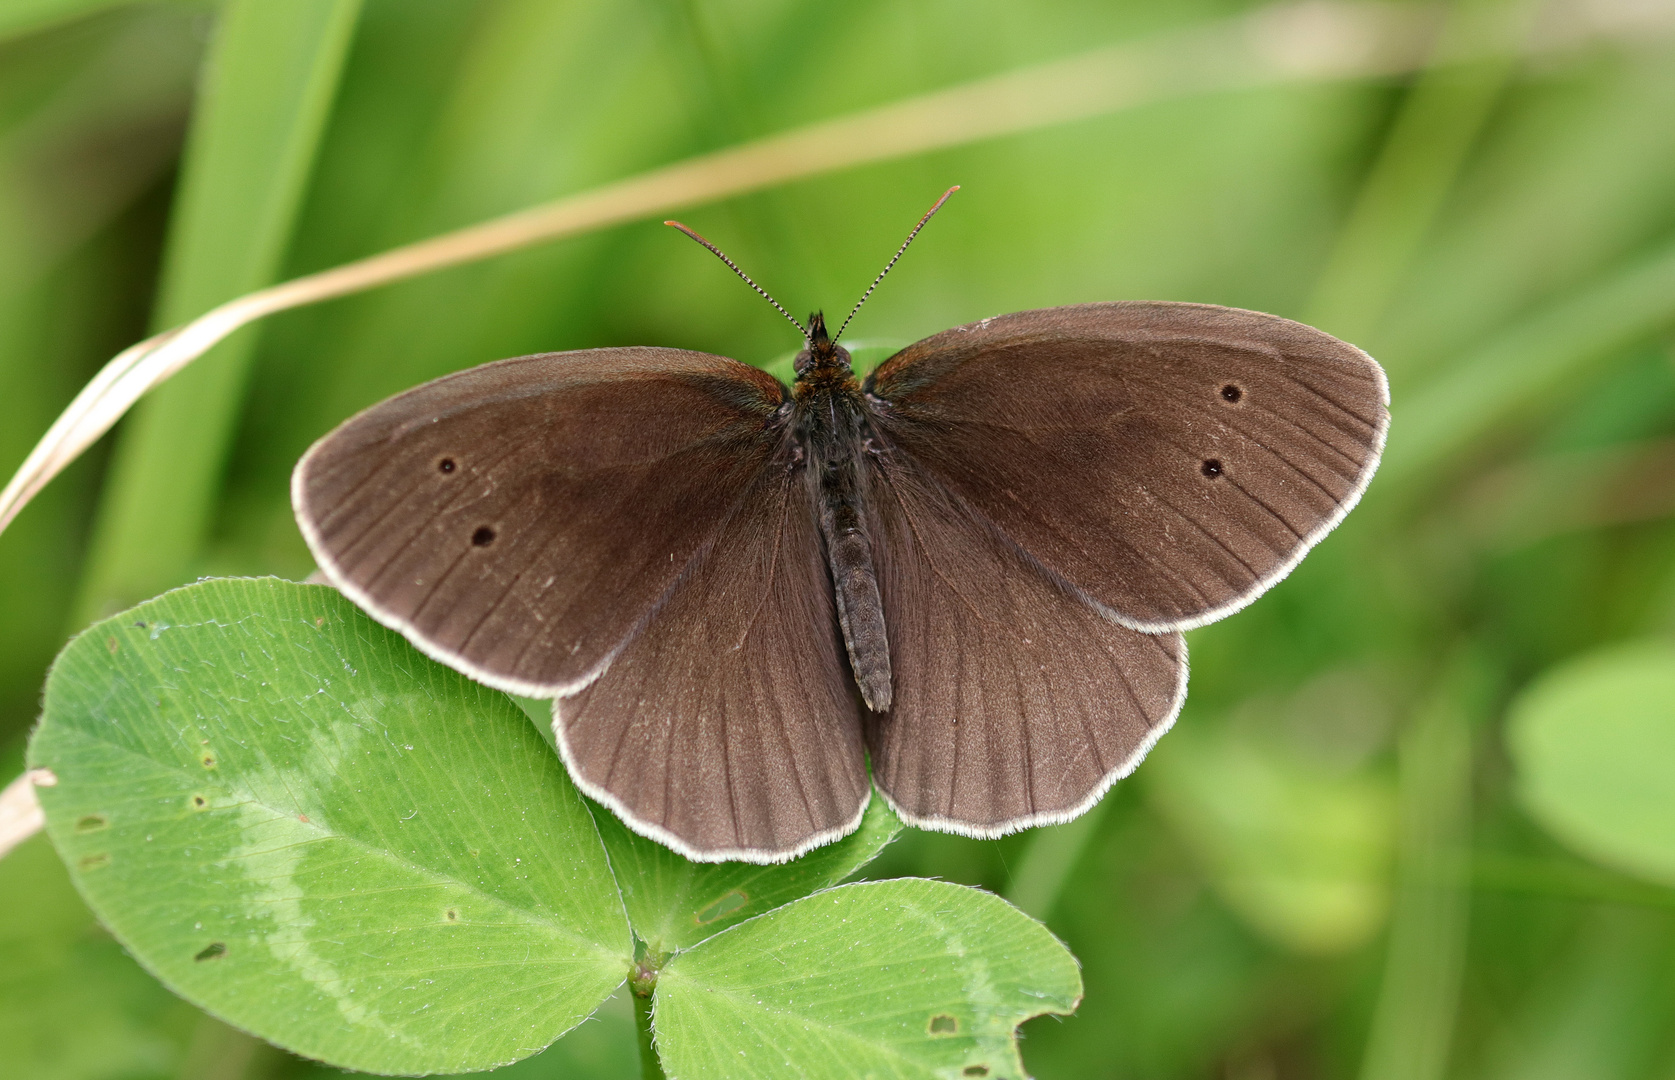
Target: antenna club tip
(675,224)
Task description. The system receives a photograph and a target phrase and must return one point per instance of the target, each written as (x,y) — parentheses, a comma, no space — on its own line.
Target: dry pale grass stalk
(1304,41)
(20,810)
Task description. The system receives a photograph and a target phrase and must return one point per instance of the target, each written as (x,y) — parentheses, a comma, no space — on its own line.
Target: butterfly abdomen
(831,428)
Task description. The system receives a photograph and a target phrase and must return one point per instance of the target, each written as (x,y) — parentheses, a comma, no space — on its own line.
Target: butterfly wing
(1169,462)
(516,521)
(1015,702)
(622,526)
(728,728)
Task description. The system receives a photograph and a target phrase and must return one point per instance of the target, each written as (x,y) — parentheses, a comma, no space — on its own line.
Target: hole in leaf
(943,1024)
(94,862)
(1231,393)
(199,802)
(483,537)
(211,951)
(92,823)
(728,904)
(1211,468)
(446,465)
(208,761)
(975,1070)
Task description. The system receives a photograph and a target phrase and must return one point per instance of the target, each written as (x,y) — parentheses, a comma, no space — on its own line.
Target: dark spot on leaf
(1231,393)
(728,904)
(110,643)
(139,626)
(208,761)
(93,862)
(446,465)
(943,1024)
(1211,467)
(92,823)
(453,915)
(212,951)
(975,1070)
(199,802)
(483,537)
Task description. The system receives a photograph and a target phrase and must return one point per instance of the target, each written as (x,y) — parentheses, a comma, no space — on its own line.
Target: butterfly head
(824,360)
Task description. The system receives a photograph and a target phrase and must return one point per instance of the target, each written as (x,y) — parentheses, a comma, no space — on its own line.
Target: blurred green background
(1418,818)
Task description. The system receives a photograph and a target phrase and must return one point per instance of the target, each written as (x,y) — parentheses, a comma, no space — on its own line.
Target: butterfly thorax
(829,424)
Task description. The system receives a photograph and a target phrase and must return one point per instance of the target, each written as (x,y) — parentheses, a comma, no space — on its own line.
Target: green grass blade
(1524,368)
(1416,169)
(1413,1031)
(64,227)
(19,17)
(268,85)
(302,825)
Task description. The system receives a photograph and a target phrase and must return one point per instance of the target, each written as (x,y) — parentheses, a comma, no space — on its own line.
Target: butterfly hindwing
(1016,703)
(728,727)
(1168,461)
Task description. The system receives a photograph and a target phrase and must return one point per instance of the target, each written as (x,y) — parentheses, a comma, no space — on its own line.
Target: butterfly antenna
(735,268)
(893,259)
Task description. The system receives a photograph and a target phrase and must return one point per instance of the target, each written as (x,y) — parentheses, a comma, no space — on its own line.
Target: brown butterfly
(973,569)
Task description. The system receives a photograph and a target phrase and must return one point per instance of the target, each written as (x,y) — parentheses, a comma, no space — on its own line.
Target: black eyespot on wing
(445,465)
(1211,467)
(1231,393)
(483,537)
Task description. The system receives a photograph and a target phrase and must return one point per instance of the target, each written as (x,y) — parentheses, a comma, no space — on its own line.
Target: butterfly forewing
(728,727)
(518,520)
(1016,703)
(1168,461)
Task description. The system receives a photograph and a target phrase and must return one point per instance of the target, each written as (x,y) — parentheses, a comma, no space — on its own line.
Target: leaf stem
(650,1067)
(1051,856)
